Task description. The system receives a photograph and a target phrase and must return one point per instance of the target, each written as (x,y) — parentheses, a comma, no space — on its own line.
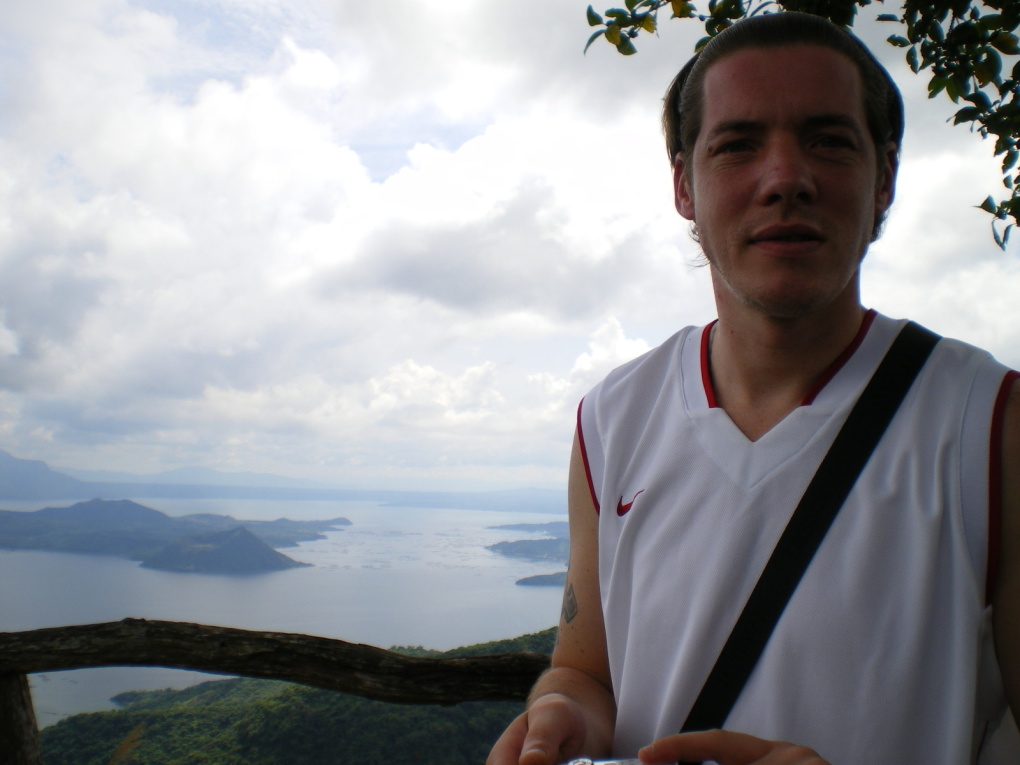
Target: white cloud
(608,349)
(375,242)
(8,340)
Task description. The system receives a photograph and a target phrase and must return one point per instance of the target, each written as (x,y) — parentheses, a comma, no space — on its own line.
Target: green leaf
(899,42)
(613,34)
(1002,239)
(682,9)
(1007,43)
(593,38)
(631,4)
(626,47)
(594,20)
(967,114)
(889,17)
(955,88)
(648,23)
(998,239)
(989,68)
(733,9)
(936,85)
(618,14)
(912,61)
(990,22)
(964,33)
(988,205)
(980,100)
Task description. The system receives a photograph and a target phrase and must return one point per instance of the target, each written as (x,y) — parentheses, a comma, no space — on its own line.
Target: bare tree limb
(324,663)
(19,735)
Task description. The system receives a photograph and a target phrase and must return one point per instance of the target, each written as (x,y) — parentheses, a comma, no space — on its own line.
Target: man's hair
(683,107)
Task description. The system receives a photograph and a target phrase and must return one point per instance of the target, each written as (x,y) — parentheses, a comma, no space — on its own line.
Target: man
(688,461)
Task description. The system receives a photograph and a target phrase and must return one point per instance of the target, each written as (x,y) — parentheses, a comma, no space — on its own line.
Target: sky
(379,244)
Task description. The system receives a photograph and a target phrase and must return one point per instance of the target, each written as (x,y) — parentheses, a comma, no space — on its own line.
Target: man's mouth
(787,233)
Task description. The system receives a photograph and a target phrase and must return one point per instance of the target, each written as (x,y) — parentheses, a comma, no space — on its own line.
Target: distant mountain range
(122,528)
(32,479)
(194,476)
(27,480)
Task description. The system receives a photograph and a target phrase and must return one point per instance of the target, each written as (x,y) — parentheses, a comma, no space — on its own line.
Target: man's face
(784,181)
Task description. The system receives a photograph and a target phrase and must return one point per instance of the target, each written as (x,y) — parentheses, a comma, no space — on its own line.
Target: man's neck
(763,367)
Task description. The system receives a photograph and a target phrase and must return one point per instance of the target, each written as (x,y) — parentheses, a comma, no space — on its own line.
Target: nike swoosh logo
(622,509)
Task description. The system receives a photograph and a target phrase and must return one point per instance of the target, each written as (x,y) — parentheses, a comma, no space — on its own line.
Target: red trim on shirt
(842,359)
(834,367)
(706,372)
(584,459)
(995,485)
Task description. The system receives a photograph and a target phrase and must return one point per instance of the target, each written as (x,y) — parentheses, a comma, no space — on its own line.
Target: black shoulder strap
(809,523)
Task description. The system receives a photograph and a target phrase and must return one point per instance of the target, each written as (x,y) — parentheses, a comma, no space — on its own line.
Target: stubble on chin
(784,302)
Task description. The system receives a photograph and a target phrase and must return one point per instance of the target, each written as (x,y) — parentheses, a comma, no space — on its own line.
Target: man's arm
(571,710)
(1006,603)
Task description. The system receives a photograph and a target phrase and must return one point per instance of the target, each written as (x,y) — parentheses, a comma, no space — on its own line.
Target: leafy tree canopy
(969,50)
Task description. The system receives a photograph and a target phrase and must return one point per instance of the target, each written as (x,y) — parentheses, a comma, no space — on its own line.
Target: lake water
(397,576)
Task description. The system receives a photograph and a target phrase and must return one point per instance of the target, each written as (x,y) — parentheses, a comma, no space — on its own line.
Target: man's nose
(787,177)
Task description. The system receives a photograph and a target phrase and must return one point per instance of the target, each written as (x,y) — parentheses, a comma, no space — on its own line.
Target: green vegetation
(264,722)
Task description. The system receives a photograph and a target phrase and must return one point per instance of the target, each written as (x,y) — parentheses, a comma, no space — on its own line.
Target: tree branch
(324,663)
(19,735)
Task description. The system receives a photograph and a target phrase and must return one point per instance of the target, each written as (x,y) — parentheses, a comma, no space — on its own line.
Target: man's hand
(551,731)
(726,748)
(572,711)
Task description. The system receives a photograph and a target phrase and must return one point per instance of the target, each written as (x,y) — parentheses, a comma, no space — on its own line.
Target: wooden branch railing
(335,665)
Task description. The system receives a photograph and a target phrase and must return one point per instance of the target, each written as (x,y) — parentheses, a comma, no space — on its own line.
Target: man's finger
(726,748)
(506,751)
(555,731)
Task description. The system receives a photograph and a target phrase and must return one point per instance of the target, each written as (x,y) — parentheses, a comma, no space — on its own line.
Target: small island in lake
(555,546)
(237,551)
(125,529)
(558,579)
(534,549)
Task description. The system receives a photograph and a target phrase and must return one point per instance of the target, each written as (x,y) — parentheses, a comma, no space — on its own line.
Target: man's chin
(789,305)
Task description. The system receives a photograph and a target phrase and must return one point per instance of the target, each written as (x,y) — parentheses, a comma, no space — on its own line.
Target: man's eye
(733,146)
(834,142)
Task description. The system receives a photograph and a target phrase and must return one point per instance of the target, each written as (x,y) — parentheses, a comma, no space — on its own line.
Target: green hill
(263,722)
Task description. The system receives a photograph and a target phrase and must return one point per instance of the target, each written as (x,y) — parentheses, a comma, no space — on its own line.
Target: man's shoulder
(655,362)
(955,354)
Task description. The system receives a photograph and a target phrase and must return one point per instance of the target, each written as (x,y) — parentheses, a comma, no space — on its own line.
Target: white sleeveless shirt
(878,655)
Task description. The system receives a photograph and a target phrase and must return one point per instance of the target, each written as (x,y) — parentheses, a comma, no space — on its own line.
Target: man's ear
(683,196)
(886,191)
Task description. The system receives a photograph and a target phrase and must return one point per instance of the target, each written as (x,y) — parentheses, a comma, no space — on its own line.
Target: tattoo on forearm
(569,604)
